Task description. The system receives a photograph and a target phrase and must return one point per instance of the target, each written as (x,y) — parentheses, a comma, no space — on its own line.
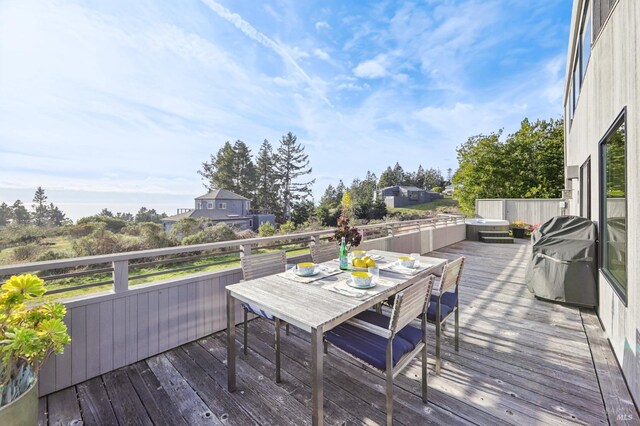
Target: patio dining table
(314,307)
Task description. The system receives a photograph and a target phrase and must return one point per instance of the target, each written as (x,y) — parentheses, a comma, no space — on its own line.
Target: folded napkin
(323,272)
(345,289)
(398,268)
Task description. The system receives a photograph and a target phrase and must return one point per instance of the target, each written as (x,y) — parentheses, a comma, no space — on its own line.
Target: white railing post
(120,276)
(245,250)
(390,230)
(313,240)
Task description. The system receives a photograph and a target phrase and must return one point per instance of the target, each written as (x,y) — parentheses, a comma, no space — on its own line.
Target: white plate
(316,271)
(351,283)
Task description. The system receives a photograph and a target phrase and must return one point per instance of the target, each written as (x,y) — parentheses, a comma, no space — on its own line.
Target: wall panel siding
(531,211)
(611,85)
(111,330)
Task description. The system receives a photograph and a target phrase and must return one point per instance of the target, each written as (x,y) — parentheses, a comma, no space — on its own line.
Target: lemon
(370,263)
(359,263)
(366,258)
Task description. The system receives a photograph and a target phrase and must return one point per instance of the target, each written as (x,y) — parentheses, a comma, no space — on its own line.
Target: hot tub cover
(563,264)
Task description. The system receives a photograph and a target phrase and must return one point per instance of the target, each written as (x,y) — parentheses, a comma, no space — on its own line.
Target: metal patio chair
(324,252)
(258,266)
(444,302)
(388,344)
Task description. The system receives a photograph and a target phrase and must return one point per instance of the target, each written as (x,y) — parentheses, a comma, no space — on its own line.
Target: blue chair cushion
(258,311)
(367,346)
(411,334)
(449,298)
(431,311)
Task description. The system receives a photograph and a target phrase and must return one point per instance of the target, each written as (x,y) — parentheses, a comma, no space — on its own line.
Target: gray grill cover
(563,264)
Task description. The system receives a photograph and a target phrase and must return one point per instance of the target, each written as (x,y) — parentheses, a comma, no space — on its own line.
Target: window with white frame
(223,206)
(210,205)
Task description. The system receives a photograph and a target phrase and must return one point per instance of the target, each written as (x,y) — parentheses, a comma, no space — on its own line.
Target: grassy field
(433,205)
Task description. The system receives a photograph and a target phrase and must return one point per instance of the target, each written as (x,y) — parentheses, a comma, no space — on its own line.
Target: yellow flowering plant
(28,334)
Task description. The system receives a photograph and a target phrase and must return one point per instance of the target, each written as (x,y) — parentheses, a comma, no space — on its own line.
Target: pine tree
(340,190)
(20,215)
(245,170)
(55,216)
(266,180)
(106,212)
(419,177)
(5,214)
(291,163)
(219,172)
(387,179)
(40,209)
(399,176)
(329,197)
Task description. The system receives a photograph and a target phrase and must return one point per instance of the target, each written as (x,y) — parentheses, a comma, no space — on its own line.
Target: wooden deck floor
(521,361)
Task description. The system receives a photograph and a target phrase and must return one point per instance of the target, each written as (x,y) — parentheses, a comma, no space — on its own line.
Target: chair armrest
(371,328)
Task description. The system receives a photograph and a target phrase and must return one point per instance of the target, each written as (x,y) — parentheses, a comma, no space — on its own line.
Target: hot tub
(478,224)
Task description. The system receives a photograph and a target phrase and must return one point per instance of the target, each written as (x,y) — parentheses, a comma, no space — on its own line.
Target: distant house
(403,196)
(223,206)
(448,190)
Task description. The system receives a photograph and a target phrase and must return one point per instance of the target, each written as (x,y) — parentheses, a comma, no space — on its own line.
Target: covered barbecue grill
(563,265)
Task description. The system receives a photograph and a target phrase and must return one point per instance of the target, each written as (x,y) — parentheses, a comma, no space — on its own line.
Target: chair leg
(277,350)
(424,360)
(246,331)
(389,397)
(326,346)
(457,338)
(287,328)
(438,333)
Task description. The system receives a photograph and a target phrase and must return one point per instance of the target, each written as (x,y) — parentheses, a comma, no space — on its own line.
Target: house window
(223,206)
(585,189)
(582,55)
(613,207)
(210,205)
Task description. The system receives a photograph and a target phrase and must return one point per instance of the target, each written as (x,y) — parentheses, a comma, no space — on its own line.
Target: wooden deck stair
(496,237)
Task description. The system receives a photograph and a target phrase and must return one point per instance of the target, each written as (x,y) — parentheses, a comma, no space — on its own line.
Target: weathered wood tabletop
(314,309)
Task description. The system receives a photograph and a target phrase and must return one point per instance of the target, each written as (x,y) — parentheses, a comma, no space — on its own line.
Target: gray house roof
(406,188)
(221,194)
(217,215)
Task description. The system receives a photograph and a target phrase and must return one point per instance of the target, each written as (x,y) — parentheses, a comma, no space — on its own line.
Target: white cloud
(322,25)
(373,68)
(321,54)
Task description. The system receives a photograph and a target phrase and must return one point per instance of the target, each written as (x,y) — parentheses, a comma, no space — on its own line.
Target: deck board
(521,361)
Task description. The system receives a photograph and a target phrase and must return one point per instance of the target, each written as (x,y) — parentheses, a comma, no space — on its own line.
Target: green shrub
(185,228)
(15,234)
(105,242)
(26,253)
(266,229)
(212,234)
(287,228)
(152,236)
(436,189)
(112,224)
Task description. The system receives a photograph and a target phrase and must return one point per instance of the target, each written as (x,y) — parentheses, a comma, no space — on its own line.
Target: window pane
(614,247)
(586,43)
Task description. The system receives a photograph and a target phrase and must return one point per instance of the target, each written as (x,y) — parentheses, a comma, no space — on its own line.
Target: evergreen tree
(125,216)
(329,197)
(219,172)
(266,180)
(419,177)
(149,215)
(340,189)
(399,177)
(302,212)
(245,170)
(19,213)
(386,179)
(291,163)
(433,178)
(40,209)
(5,214)
(105,212)
(55,216)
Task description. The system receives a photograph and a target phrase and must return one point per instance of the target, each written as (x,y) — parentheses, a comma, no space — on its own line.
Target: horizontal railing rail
(118,269)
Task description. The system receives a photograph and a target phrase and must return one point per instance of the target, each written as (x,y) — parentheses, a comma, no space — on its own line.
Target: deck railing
(129,322)
(118,270)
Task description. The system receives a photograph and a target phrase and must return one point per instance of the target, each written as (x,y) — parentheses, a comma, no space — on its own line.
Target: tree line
(527,164)
(42,214)
(274,180)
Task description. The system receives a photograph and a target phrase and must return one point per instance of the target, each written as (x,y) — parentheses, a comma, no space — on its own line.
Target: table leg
(317,393)
(231,342)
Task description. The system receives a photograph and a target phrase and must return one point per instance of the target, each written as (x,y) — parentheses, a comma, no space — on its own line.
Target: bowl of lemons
(363,263)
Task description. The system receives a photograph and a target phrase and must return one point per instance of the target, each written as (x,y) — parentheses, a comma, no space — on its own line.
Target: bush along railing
(118,271)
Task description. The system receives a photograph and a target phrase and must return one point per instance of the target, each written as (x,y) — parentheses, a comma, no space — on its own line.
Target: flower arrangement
(351,234)
(28,335)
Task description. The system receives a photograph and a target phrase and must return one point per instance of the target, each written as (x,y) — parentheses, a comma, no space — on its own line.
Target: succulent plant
(28,334)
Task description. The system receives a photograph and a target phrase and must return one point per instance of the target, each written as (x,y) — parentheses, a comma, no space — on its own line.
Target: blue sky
(114,102)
